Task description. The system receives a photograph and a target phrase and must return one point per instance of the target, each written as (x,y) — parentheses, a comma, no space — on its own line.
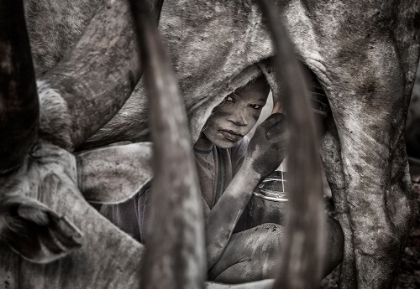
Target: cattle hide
(39,191)
(364,54)
(43,214)
(55,26)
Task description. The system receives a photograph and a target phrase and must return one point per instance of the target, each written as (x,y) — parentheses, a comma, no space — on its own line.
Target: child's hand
(267,148)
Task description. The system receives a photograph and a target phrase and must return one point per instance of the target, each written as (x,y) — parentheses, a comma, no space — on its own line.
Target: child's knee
(271,238)
(267,253)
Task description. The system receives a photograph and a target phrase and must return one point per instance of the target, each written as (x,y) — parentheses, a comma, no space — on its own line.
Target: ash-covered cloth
(215,169)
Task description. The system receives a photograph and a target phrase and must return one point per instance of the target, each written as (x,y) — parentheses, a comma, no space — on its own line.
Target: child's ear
(114,174)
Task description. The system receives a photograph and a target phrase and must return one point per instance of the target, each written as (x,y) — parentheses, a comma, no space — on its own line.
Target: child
(229,167)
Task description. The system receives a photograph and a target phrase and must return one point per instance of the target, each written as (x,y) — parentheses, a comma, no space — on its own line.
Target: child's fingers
(273,119)
(277,130)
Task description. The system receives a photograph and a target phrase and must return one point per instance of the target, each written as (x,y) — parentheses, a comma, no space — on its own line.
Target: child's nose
(238,119)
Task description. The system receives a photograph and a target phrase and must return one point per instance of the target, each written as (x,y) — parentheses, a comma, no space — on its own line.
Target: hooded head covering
(215,47)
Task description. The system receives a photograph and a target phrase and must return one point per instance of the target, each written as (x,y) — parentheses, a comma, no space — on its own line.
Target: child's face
(237,114)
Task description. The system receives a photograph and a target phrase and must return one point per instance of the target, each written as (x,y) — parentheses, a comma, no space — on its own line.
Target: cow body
(44,217)
(367,71)
(364,54)
(50,236)
(106,251)
(54,27)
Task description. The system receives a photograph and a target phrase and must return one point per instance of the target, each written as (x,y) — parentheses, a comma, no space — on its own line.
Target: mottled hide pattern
(49,234)
(364,55)
(44,216)
(85,56)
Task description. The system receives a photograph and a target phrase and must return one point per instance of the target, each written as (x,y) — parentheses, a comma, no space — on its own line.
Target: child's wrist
(248,170)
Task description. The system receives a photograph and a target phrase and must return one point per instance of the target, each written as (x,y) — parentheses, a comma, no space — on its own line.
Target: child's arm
(265,153)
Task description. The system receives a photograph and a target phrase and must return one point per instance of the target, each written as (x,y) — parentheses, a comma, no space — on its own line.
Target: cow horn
(175,255)
(19,108)
(303,249)
(99,74)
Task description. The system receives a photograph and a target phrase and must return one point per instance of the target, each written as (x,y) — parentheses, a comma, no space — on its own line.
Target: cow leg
(369,112)
(333,166)
(376,210)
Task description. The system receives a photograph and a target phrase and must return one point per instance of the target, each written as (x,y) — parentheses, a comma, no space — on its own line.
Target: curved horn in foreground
(303,249)
(175,255)
(19,107)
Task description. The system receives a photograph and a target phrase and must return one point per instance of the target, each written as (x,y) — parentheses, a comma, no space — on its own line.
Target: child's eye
(229,99)
(255,106)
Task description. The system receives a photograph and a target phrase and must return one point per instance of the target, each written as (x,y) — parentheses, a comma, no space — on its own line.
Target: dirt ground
(409,276)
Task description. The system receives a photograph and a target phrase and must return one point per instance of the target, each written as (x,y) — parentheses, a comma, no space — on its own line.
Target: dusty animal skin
(44,216)
(55,26)
(364,54)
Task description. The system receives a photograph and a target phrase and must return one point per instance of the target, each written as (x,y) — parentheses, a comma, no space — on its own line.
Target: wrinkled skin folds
(363,53)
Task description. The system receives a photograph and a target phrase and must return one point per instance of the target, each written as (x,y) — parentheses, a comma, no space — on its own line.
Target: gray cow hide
(54,27)
(364,54)
(50,237)
(43,214)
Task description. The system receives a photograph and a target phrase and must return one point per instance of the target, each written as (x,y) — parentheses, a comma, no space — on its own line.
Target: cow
(54,27)
(50,236)
(44,215)
(363,55)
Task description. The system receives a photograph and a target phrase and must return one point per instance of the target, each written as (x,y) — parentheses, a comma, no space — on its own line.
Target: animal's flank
(364,54)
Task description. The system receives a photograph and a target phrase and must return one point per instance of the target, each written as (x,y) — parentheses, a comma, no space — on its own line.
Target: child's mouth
(230,135)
